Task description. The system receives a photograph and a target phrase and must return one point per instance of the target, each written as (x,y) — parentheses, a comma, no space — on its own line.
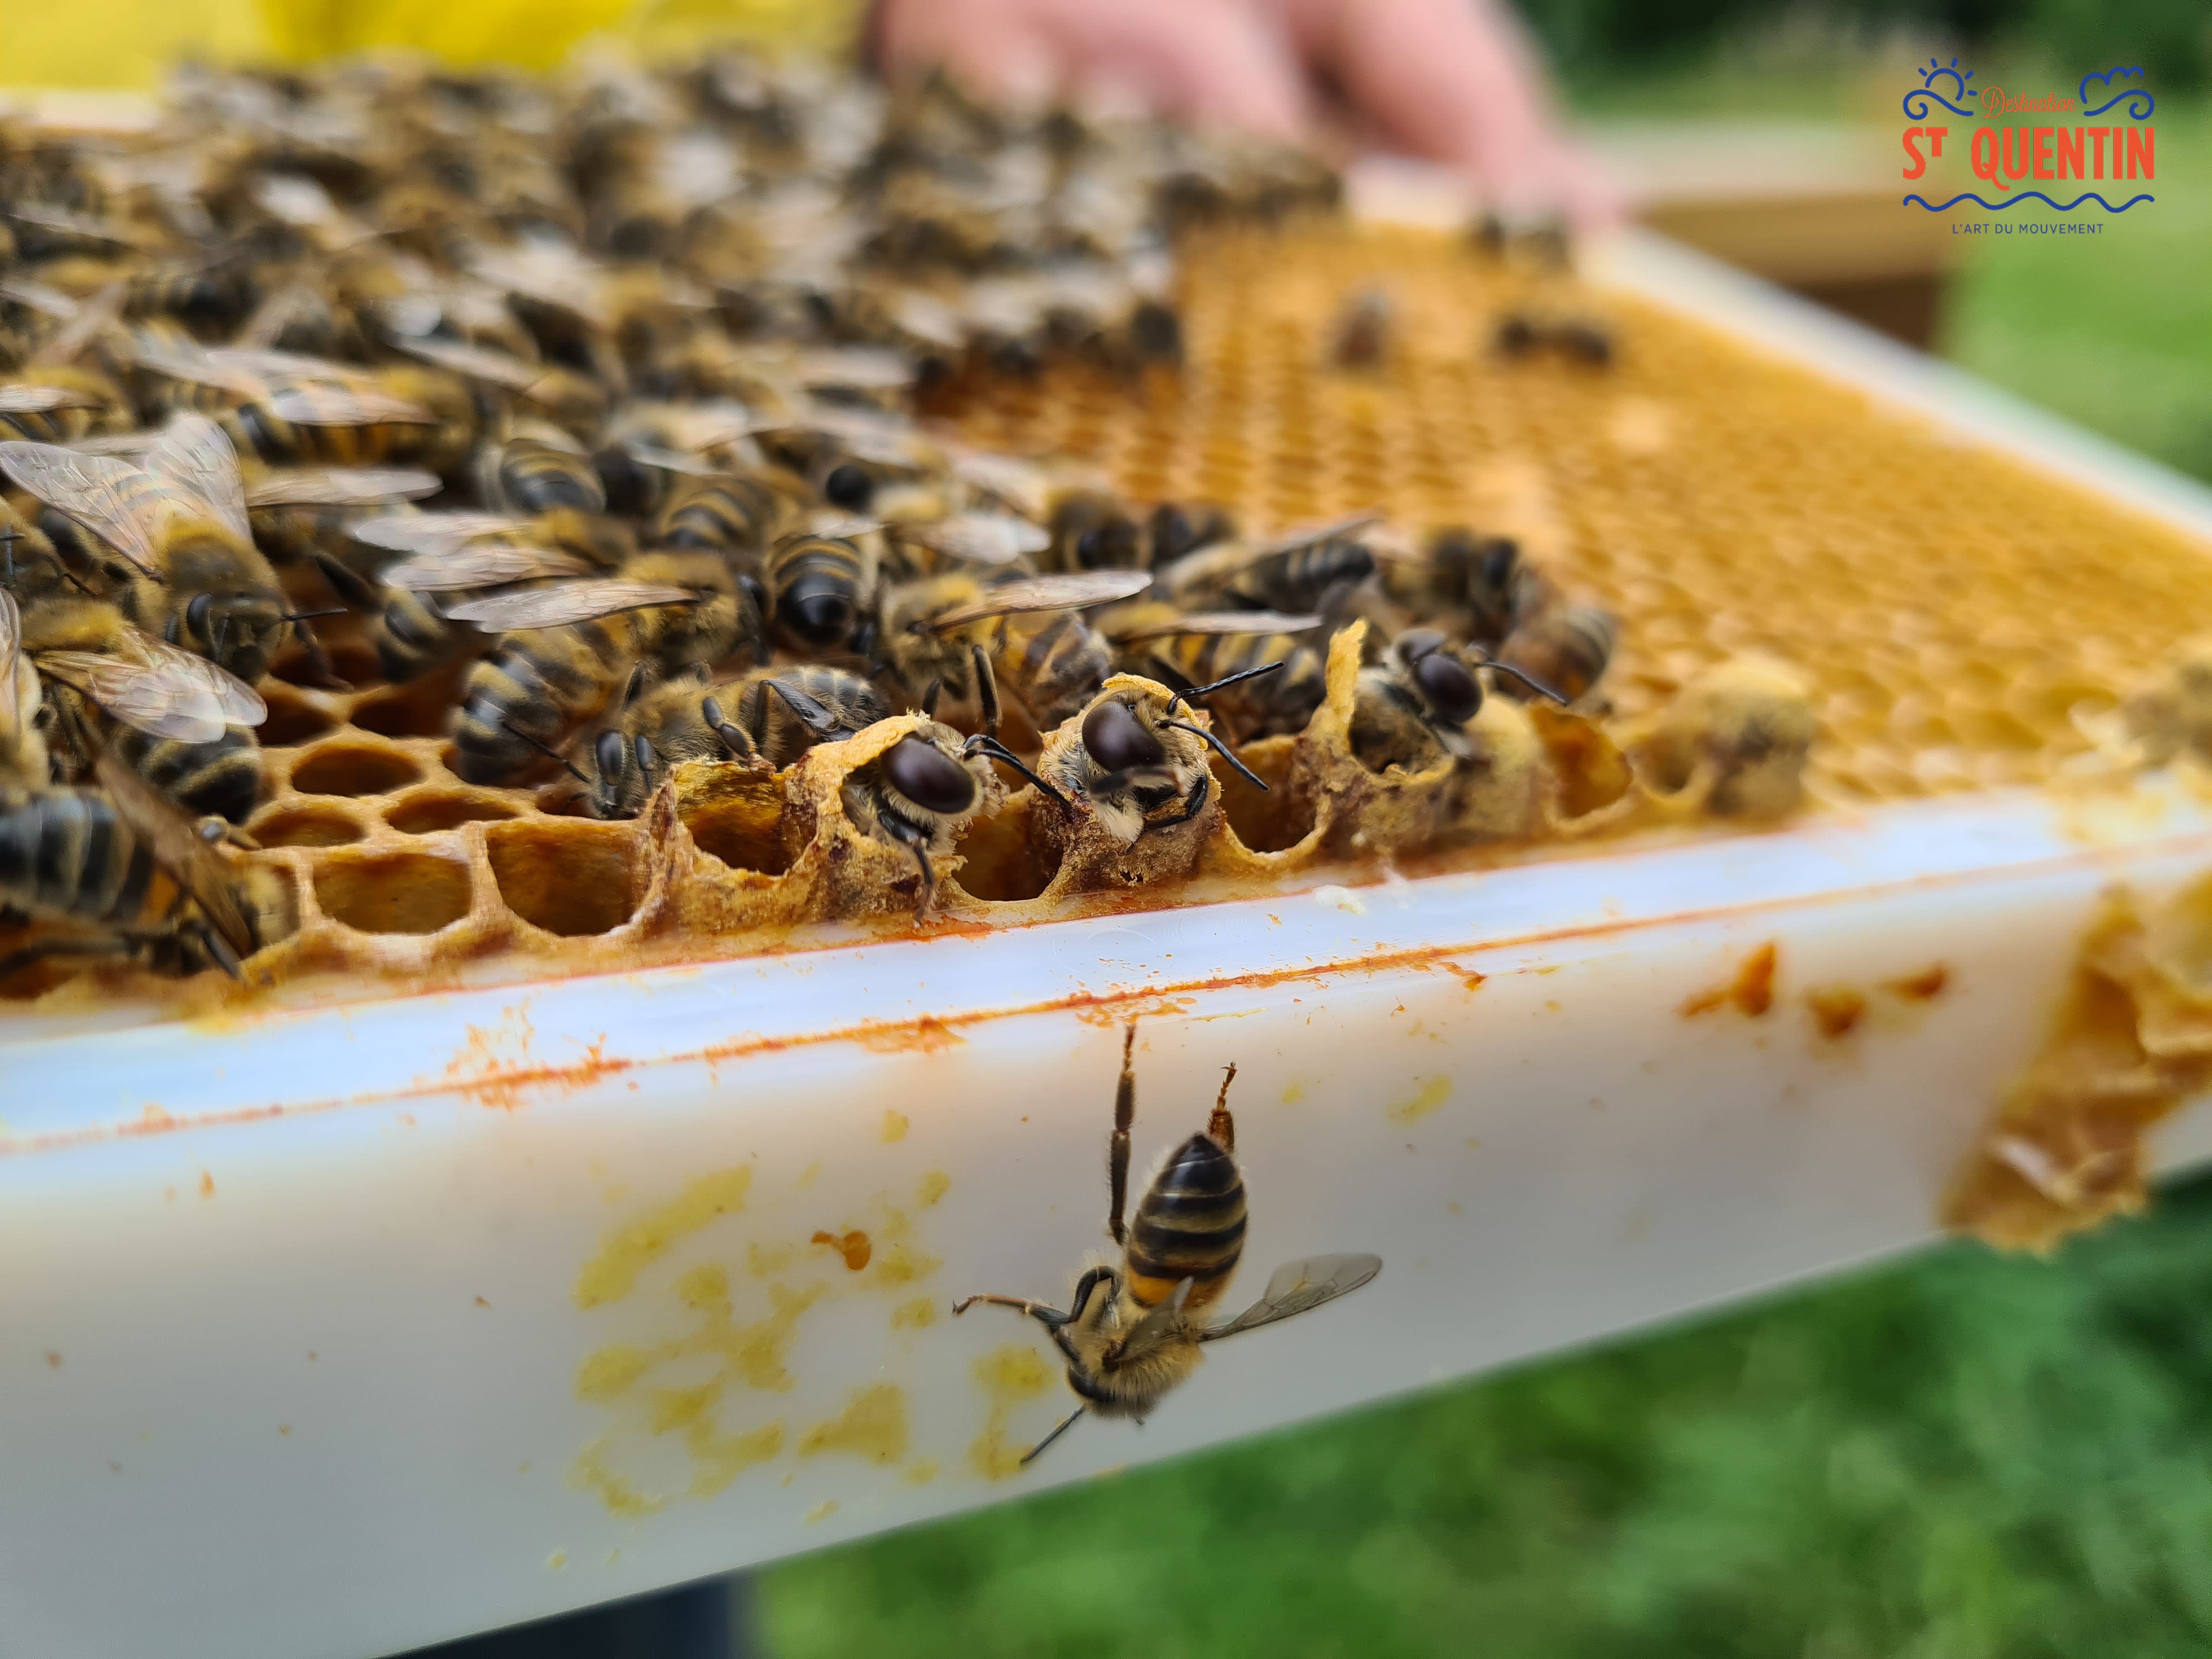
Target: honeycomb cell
(353,768)
(301,823)
(565,875)
(1270,820)
(346,659)
(392,892)
(1005,861)
(423,708)
(432,810)
(292,719)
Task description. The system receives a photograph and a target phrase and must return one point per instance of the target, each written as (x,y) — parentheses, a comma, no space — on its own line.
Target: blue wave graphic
(1926,97)
(2025,196)
(2138,111)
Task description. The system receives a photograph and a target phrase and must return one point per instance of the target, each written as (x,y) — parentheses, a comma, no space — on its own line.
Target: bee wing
(340,486)
(11,645)
(476,362)
(669,460)
(571,602)
(100,311)
(37,297)
(174,843)
(1068,592)
(442,570)
(163,698)
(327,404)
(841,526)
(1219,622)
(1313,535)
(190,363)
(34,399)
(426,533)
(1298,1287)
(858,368)
(90,489)
(1007,476)
(983,537)
(194,455)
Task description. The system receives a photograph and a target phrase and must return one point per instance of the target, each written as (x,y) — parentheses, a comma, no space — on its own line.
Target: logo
(2121,149)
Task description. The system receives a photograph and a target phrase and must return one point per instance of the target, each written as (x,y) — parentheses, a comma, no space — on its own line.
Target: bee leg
(929,698)
(16,961)
(733,737)
(320,664)
(1064,1425)
(636,688)
(987,690)
(918,844)
(1219,1125)
(1199,797)
(219,951)
(1045,1315)
(1117,1145)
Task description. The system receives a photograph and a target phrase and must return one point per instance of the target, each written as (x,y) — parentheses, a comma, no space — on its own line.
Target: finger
(1212,62)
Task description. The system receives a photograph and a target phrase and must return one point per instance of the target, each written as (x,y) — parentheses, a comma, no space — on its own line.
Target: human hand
(1454,81)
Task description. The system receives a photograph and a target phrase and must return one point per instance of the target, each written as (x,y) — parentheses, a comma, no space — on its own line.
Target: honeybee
(1131,1332)
(1175,528)
(180,522)
(1566,647)
(289,411)
(1481,582)
(1578,339)
(1182,651)
(23,757)
(1307,570)
(954,632)
(1415,703)
(1092,530)
(573,402)
(566,648)
(129,870)
(1133,759)
(933,545)
(1361,337)
(1748,726)
(531,474)
(297,512)
(846,455)
(736,514)
(819,585)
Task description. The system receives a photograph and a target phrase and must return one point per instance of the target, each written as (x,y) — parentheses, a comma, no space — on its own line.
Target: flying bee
(1361,337)
(1182,650)
(956,633)
(1566,646)
(532,474)
(819,585)
(566,648)
(688,717)
(1131,1332)
(1578,339)
(1141,769)
(1415,704)
(1175,528)
(180,522)
(129,870)
(1308,569)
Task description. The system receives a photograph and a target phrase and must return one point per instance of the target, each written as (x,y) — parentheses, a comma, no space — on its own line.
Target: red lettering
(1912,149)
(2097,150)
(2043,153)
(2141,164)
(1935,137)
(2069,153)
(2017,158)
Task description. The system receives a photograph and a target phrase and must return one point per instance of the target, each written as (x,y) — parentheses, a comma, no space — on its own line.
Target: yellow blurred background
(127,44)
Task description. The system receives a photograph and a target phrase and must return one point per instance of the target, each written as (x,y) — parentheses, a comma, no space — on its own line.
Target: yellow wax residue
(1008,1376)
(1434,1092)
(920,1473)
(806,1177)
(897,1265)
(721,1458)
(592,1475)
(631,1250)
(822,1511)
(557,1560)
(1293,1094)
(611,1371)
(765,1260)
(872,1426)
(934,1186)
(914,1316)
(893,1127)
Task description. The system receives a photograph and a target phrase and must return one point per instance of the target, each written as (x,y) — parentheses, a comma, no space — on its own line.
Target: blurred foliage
(1961,1457)
(2171,39)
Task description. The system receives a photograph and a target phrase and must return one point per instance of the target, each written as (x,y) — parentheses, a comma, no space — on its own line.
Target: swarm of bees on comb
(557,463)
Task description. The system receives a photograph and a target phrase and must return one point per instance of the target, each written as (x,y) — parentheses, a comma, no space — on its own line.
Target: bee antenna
(550,753)
(984,744)
(1194,693)
(1528,680)
(1221,748)
(309,616)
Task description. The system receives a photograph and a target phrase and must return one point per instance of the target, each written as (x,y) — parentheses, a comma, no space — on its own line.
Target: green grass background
(1956,1456)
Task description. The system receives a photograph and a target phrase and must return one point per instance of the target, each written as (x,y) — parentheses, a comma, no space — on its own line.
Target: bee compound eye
(1450,686)
(847,486)
(610,754)
(1117,740)
(195,613)
(1416,643)
(929,777)
(820,617)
